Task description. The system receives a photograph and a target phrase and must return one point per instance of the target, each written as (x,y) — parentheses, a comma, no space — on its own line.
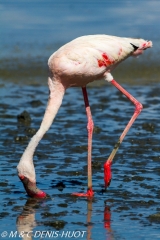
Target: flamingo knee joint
(138,107)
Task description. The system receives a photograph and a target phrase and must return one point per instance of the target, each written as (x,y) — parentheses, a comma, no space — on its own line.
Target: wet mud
(131,201)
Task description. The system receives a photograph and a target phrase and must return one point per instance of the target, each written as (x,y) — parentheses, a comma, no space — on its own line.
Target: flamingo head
(31,188)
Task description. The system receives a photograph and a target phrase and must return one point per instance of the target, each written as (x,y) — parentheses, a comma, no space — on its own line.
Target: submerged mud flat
(130,207)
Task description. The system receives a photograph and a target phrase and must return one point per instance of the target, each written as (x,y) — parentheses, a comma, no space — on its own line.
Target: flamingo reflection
(26,221)
(107,222)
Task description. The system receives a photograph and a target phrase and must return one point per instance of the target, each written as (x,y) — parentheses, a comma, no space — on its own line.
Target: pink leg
(138,108)
(90,127)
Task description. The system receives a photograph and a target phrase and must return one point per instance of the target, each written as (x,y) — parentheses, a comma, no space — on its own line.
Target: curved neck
(57,91)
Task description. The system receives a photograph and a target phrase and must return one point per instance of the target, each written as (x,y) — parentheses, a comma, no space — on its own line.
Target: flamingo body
(89,58)
(77,63)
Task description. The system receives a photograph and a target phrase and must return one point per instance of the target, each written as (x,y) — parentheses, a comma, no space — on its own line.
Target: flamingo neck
(57,91)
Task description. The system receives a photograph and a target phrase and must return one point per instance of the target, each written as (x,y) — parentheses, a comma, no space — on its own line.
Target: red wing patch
(144,45)
(105,61)
(120,51)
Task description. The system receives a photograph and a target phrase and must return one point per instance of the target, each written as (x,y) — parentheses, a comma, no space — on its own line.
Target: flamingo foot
(89,193)
(107,173)
(31,188)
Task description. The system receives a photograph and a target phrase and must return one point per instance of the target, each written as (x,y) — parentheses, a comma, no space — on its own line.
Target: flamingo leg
(90,127)
(138,109)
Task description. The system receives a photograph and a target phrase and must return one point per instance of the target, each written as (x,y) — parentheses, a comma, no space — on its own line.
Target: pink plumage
(77,63)
(88,58)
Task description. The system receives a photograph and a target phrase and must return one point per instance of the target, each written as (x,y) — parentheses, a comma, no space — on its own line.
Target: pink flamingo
(78,63)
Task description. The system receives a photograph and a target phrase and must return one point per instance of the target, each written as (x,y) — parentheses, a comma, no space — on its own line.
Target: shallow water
(130,207)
